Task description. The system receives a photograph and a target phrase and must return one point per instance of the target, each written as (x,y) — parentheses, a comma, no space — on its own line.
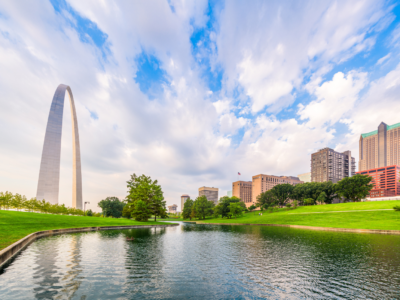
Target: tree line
(353,189)
(200,208)
(20,202)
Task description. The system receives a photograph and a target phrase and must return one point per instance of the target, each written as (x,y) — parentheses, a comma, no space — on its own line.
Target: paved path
(324,212)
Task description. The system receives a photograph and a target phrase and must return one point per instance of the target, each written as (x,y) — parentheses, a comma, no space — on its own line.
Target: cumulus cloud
(185,136)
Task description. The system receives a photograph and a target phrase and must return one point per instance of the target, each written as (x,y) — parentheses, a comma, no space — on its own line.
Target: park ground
(361,215)
(15,225)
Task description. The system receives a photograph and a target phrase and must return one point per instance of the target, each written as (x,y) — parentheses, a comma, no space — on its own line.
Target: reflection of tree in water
(52,285)
(313,263)
(144,261)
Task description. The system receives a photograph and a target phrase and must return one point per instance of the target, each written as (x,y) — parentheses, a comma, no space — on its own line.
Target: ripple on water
(206,262)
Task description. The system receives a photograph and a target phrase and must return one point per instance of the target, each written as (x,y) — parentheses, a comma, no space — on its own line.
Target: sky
(192,92)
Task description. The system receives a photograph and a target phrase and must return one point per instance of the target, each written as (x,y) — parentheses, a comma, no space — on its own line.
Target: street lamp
(84,205)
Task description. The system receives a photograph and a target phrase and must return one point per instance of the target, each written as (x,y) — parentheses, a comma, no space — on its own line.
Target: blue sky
(193,92)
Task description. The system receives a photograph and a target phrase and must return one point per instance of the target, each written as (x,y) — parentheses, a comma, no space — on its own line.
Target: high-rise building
(262,183)
(380,148)
(210,192)
(183,200)
(305,177)
(242,190)
(329,165)
(385,180)
(172,208)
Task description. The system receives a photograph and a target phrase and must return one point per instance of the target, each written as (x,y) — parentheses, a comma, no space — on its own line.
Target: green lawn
(325,216)
(15,225)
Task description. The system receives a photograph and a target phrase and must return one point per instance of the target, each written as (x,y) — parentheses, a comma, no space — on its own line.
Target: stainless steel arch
(49,175)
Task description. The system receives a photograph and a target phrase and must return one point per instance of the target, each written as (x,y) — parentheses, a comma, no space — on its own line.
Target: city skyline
(187,95)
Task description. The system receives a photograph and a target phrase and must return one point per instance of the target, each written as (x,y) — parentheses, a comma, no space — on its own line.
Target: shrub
(89,213)
(288,205)
(396,208)
(295,204)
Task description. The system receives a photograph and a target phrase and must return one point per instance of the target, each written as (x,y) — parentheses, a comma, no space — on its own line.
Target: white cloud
(334,99)
(184,137)
(268,47)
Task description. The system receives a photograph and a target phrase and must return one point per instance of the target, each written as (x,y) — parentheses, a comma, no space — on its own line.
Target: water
(206,262)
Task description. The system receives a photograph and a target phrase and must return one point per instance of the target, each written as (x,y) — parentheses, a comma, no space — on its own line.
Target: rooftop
(389,127)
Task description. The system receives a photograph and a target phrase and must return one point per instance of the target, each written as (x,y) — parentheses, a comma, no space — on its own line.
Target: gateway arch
(49,175)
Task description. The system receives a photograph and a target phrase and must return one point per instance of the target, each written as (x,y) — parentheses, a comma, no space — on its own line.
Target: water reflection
(204,261)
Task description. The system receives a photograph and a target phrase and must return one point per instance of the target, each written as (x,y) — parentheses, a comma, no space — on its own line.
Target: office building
(305,177)
(380,148)
(242,190)
(329,165)
(173,208)
(183,200)
(262,183)
(385,180)
(210,192)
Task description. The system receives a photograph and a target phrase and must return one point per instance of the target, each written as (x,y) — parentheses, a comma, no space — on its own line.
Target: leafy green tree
(266,199)
(252,207)
(321,198)
(282,192)
(223,205)
(235,209)
(112,207)
(5,199)
(329,189)
(145,189)
(309,201)
(127,210)
(354,188)
(203,207)
(89,213)
(141,211)
(187,209)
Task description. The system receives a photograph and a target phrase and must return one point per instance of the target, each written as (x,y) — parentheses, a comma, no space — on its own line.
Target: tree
(354,188)
(329,189)
(266,199)
(235,209)
(203,207)
(141,211)
(321,198)
(223,205)
(252,207)
(112,206)
(282,192)
(89,213)
(5,199)
(187,209)
(145,189)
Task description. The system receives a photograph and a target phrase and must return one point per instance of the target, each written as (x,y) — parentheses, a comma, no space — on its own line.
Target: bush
(288,206)
(252,207)
(89,213)
(396,208)
(295,204)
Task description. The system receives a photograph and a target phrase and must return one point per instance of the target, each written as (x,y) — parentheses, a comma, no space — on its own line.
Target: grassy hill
(364,215)
(15,225)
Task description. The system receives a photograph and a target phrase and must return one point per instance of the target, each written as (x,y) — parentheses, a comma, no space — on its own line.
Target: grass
(343,215)
(16,225)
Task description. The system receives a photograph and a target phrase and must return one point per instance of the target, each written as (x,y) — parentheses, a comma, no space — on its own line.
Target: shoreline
(355,230)
(10,252)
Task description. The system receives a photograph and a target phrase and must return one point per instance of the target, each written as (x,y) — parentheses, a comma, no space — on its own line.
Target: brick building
(243,190)
(262,183)
(385,180)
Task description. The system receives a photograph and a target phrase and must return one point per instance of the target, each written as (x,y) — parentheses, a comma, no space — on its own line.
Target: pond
(206,262)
